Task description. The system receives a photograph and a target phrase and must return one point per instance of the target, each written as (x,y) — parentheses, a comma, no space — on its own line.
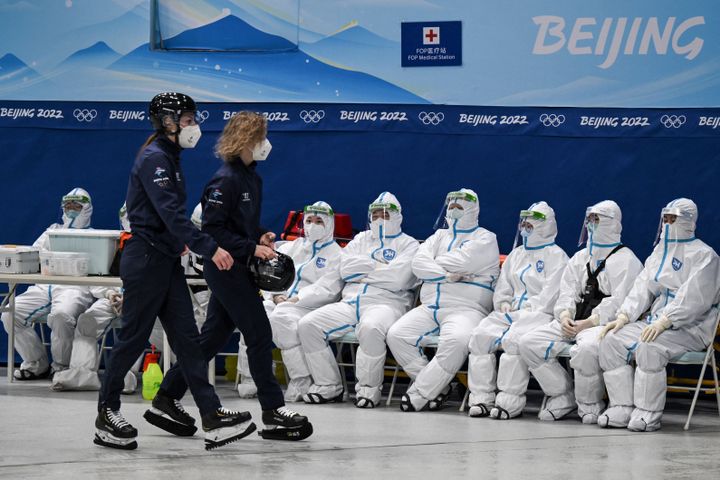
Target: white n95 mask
(189,136)
(261,151)
(455,213)
(314,231)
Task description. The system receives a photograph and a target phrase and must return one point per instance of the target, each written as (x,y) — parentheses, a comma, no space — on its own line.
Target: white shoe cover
(615,417)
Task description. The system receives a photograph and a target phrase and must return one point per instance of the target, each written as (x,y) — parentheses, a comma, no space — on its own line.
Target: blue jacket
(231,209)
(156,200)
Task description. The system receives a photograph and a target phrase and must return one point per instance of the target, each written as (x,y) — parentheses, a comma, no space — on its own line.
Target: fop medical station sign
(431,44)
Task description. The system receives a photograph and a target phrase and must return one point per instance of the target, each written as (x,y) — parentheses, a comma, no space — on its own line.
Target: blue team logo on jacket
(389,254)
(320,262)
(161,179)
(215,197)
(677,264)
(540,266)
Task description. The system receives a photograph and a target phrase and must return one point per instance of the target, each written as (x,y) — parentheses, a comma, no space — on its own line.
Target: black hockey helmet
(274,275)
(169,103)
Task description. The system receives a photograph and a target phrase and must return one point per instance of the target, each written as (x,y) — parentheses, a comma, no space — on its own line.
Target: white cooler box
(19,259)
(100,245)
(74,264)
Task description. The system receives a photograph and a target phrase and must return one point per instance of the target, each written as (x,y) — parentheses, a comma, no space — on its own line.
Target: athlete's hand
(222,259)
(268,239)
(265,253)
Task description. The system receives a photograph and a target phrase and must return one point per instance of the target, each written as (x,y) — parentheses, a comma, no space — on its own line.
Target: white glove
(116,300)
(567,323)
(594,320)
(651,332)
(615,325)
(505,307)
(454,277)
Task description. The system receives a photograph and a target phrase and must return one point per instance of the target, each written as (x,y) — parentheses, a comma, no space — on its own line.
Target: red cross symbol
(430,35)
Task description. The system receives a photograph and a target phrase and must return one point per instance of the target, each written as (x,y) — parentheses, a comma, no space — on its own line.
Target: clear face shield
(72,205)
(453,208)
(313,221)
(378,216)
(668,217)
(529,219)
(590,225)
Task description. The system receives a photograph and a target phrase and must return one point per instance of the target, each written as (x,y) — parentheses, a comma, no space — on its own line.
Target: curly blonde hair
(246,129)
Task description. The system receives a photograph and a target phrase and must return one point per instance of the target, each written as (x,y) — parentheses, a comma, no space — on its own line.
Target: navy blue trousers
(235,303)
(154,286)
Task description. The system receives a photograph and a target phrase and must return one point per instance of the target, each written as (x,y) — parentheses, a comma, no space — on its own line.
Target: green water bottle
(151,379)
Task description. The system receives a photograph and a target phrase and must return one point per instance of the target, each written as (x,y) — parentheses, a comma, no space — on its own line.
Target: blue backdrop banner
(422,119)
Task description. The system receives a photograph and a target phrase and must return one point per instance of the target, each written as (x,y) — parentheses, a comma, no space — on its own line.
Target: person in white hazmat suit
(458,267)
(679,285)
(593,286)
(59,304)
(82,373)
(376,281)
(315,255)
(524,298)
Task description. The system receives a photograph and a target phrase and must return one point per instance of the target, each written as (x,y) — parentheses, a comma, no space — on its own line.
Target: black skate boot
(225,426)
(284,424)
(169,414)
(114,431)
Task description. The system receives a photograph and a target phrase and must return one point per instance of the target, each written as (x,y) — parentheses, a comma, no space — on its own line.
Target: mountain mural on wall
(228,34)
(15,71)
(361,49)
(283,76)
(100,73)
(98,55)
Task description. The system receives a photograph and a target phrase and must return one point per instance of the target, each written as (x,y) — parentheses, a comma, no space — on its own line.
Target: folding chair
(351,340)
(703,358)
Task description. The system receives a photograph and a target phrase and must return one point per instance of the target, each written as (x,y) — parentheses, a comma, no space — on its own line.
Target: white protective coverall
(59,304)
(679,285)
(458,266)
(376,281)
(315,255)
(524,298)
(540,347)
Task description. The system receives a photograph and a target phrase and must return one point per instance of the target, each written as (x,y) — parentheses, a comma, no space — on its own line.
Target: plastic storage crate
(100,245)
(74,264)
(19,259)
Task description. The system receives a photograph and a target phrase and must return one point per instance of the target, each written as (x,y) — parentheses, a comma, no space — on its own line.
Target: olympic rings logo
(312,116)
(552,120)
(202,115)
(84,115)
(431,118)
(673,121)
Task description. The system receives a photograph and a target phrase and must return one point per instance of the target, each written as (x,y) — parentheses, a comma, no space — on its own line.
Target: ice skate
(168,414)
(285,424)
(225,426)
(112,430)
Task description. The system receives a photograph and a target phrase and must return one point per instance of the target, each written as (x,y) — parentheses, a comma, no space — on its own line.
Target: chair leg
(464,400)
(211,371)
(392,385)
(542,405)
(698,387)
(715,377)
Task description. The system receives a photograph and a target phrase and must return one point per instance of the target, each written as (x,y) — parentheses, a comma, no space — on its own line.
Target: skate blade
(293,434)
(222,436)
(104,439)
(160,420)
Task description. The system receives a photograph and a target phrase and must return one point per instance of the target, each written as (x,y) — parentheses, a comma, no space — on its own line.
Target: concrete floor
(46,434)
